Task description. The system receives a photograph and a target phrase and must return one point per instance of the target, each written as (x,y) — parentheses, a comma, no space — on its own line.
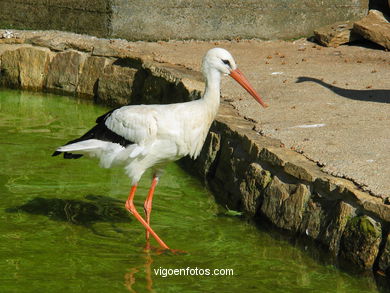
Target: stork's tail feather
(90,146)
(94,142)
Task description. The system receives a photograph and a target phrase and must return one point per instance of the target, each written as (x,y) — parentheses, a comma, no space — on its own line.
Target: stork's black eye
(227,62)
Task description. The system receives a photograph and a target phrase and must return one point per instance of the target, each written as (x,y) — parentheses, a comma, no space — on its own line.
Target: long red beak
(241,79)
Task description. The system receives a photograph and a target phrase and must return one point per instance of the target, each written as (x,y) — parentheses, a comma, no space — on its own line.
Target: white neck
(209,105)
(211,94)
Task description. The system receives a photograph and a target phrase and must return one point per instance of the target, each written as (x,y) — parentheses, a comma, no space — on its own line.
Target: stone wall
(175,19)
(245,170)
(80,16)
(221,19)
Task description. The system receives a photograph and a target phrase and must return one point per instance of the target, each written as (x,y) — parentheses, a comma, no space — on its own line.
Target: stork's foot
(164,251)
(175,252)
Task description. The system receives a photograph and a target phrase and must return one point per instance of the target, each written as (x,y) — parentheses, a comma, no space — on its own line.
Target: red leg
(131,208)
(148,204)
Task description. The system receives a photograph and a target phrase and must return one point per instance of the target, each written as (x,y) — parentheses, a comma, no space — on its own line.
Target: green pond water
(63,225)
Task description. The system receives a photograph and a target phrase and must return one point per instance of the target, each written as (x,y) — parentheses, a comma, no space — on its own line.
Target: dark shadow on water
(369,95)
(96,208)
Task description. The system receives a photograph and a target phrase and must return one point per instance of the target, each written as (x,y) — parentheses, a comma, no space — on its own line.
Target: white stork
(149,136)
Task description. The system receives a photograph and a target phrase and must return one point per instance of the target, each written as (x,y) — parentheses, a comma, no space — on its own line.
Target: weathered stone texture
(115,86)
(86,16)
(299,171)
(360,241)
(25,67)
(204,163)
(336,34)
(336,227)
(255,181)
(227,175)
(245,19)
(158,89)
(384,259)
(34,64)
(64,70)
(274,196)
(163,20)
(314,219)
(332,188)
(268,155)
(284,204)
(91,71)
(374,27)
(294,207)
(10,69)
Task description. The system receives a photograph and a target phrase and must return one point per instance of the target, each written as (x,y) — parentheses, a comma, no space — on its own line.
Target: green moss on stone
(365,225)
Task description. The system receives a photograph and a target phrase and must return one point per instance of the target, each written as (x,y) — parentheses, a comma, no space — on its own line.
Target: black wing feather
(99,131)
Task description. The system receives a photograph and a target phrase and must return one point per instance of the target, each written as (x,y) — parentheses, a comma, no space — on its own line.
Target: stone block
(254,182)
(33,67)
(274,196)
(225,170)
(92,69)
(208,155)
(314,219)
(384,258)
(25,67)
(360,241)
(64,72)
(115,48)
(293,208)
(115,86)
(230,171)
(10,69)
(335,229)
(374,27)
(156,89)
(336,34)
(299,171)
(11,40)
(269,155)
(163,87)
(54,44)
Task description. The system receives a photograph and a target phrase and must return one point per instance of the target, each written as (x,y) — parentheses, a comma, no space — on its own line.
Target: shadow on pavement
(369,95)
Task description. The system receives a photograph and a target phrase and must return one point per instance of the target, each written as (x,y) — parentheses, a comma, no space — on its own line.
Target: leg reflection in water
(130,277)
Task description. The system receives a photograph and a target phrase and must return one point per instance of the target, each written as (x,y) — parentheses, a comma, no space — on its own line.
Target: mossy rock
(360,241)
(365,225)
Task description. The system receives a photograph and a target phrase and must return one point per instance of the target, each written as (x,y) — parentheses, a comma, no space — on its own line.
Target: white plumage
(149,136)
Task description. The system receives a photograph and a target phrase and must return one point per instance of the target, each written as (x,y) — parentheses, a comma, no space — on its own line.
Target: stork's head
(221,60)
